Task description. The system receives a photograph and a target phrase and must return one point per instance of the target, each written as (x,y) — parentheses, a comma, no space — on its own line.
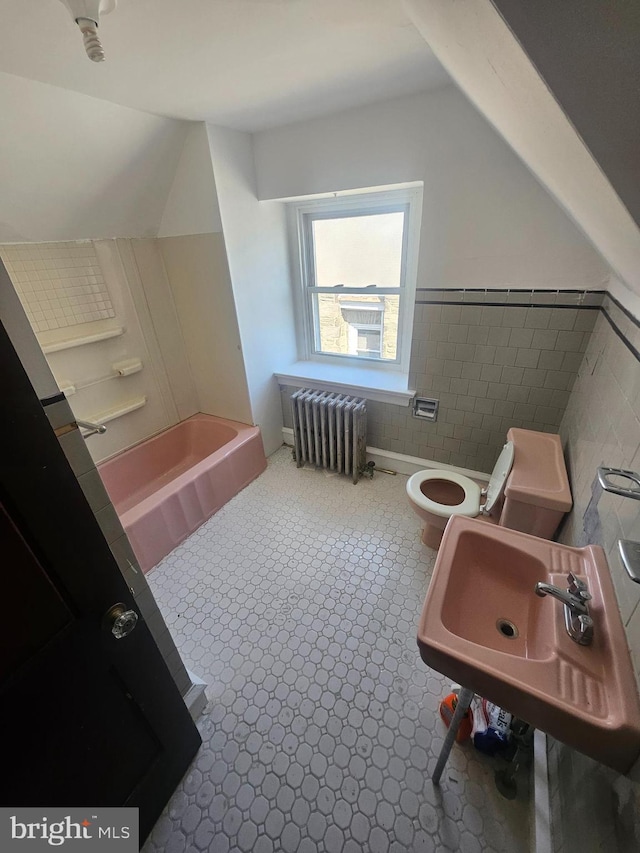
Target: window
(357,263)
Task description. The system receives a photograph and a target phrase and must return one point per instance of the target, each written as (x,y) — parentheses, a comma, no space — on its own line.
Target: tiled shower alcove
(297,603)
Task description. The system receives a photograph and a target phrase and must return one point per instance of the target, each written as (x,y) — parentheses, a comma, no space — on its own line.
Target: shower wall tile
(131,281)
(94,490)
(109,523)
(59,284)
(75,449)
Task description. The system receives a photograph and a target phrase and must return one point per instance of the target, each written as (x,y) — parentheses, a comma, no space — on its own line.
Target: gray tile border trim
(508,297)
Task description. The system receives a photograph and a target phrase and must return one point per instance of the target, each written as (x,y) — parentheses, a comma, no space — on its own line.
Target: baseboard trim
(195,698)
(402,463)
(541,823)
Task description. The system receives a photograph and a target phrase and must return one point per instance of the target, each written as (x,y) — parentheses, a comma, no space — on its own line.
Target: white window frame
(301,215)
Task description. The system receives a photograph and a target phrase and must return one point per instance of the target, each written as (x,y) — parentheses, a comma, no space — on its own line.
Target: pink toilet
(528,490)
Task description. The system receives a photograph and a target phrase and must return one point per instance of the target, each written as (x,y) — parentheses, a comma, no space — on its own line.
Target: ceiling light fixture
(86,14)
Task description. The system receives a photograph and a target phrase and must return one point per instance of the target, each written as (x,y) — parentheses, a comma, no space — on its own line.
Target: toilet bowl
(528,489)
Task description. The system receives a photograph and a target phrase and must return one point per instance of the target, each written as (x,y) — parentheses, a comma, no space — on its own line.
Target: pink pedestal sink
(483,625)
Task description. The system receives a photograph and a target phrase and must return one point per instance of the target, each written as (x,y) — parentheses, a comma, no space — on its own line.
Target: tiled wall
(594,808)
(123,310)
(494,359)
(59,284)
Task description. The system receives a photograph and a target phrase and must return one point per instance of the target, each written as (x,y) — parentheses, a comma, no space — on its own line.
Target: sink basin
(483,626)
(490,586)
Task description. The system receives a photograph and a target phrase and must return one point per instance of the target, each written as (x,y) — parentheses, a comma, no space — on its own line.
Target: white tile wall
(96,286)
(59,284)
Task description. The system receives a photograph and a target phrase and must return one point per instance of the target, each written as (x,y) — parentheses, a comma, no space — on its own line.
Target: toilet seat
(498,480)
(470,505)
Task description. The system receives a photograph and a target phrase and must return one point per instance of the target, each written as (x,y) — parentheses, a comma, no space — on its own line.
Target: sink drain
(507,629)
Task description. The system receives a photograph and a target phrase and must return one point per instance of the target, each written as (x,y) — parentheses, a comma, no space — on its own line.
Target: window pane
(369,341)
(358,251)
(364,326)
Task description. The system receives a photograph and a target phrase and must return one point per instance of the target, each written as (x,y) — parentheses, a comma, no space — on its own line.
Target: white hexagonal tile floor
(298,603)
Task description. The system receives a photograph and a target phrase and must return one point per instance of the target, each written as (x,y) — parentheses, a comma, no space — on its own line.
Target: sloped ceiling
(476,46)
(589,56)
(75,168)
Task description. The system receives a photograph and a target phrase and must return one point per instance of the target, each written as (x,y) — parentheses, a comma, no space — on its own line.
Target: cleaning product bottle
(491,726)
(447,710)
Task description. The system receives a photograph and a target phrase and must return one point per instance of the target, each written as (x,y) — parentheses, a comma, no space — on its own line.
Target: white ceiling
(247,64)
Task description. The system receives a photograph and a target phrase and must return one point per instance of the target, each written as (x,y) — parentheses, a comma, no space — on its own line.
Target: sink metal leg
(464,700)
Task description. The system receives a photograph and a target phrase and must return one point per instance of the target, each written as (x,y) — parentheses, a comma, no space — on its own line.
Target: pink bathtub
(166,487)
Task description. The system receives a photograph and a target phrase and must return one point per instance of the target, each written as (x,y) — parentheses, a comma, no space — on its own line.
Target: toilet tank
(537,493)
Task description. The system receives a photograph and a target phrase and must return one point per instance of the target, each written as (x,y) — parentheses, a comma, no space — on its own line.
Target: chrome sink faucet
(568,598)
(577,620)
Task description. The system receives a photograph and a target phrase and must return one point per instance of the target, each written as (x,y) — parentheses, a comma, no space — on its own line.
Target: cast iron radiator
(330,431)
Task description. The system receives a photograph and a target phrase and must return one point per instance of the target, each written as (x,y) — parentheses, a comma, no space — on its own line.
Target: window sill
(383,386)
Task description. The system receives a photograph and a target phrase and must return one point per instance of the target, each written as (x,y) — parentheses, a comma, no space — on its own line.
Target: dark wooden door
(87,719)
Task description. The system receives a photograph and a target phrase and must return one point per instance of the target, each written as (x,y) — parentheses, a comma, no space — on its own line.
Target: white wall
(197,269)
(486,222)
(74,167)
(192,205)
(256,243)
(155,305)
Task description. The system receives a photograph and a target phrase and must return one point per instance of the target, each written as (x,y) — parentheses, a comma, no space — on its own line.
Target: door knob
(120,620)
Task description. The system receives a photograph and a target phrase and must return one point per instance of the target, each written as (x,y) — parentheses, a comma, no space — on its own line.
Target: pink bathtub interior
(166,487)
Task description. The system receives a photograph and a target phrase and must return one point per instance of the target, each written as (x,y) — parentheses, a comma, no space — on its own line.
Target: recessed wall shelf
(426,409)
(69,343)
(118,412)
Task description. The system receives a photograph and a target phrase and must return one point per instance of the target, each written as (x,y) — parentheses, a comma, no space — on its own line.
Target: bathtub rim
(244,434)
